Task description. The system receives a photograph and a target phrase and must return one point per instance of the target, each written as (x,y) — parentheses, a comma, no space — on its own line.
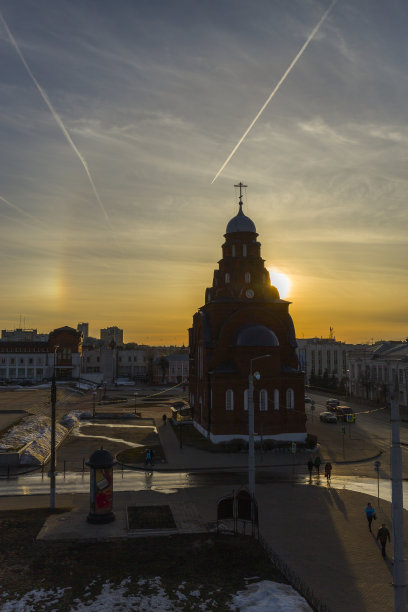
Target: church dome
(256,335)
(240,223)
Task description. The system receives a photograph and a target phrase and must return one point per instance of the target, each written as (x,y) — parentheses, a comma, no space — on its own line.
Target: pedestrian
(370,514)
(328,470)
(317,463)
(383,535)
(148,458)
(310,467)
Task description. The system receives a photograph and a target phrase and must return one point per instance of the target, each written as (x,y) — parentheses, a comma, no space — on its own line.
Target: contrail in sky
(283,77)
(15,207)
(57,119)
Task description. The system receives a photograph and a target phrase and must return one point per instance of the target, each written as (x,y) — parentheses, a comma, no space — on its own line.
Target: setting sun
(280,281)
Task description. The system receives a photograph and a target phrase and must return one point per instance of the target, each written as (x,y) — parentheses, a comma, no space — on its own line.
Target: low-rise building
(375,369)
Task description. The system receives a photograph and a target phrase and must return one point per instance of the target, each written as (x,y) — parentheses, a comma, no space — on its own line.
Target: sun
(280,281)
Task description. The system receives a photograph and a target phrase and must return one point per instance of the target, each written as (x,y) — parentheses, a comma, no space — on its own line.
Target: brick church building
(245,328)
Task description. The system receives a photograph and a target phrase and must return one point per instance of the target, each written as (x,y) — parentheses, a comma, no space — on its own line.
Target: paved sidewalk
(321,533)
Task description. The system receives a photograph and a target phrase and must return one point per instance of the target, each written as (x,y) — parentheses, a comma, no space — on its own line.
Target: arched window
(263,400)
(246,399)
(233,250)
(229,400)
(244,250)
(227,278)
(276,399)
(247,277)
(290,399)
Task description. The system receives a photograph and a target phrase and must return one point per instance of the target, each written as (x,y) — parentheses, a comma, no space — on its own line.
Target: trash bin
(101,464)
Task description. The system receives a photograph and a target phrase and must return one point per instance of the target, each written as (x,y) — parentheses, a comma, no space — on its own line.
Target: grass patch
(214,563)
(150,517)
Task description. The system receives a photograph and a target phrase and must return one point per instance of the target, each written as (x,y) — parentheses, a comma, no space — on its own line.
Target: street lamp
(251,445)
(399,578)
(135,396)
(53,403)
(94,403)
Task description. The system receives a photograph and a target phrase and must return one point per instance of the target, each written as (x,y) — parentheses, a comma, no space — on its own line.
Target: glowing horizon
(113,134)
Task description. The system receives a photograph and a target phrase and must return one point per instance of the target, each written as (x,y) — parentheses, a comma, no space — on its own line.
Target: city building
(84,329)
(171,369)
(244,327)
(323,357)
(34,360)
(112,336)
(375,369)
(21,335)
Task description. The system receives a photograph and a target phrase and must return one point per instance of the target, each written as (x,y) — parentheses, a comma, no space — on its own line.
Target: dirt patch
(150,517)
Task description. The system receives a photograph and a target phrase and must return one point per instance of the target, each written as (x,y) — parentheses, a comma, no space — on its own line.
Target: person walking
(370,514)
(310,467)
(317,463)
(148,459)
(383,535)
(328,471)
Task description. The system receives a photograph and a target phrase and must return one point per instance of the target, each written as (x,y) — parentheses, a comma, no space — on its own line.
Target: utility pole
(399,581)
(52,462)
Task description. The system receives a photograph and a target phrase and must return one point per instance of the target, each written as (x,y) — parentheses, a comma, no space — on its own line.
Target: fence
(294,580)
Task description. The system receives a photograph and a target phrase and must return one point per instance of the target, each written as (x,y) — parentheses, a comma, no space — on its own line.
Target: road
(371,423)
(167,482)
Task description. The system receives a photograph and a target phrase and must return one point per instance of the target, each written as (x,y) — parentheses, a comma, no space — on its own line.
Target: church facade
(244,329)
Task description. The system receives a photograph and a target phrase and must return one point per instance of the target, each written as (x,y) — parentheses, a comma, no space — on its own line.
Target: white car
(328,417)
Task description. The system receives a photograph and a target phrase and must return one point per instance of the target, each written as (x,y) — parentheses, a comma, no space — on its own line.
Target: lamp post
(251,445)
(398,574)
(135,396)
(53,404)
(94,403)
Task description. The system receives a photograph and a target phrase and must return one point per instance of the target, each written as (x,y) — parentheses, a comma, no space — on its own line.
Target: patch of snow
(35,430)
(29,601)
(266,595)
(262,596)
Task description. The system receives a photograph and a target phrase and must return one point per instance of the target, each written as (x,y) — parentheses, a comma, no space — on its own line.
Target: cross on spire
(240,185)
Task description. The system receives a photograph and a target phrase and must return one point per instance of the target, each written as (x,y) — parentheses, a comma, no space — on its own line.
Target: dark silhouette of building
(244,326)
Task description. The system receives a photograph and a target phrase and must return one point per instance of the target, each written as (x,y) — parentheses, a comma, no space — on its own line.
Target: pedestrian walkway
(320,533)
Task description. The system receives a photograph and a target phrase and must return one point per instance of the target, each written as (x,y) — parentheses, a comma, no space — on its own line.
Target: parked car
(178,405)
(308,400)
(181,414)
(345,413)
(332,403)
(328,417)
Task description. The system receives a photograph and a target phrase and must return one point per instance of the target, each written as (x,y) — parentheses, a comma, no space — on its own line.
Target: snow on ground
(257,597)
(36,430)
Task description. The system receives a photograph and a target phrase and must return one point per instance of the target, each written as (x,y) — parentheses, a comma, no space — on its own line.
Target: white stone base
(289,437)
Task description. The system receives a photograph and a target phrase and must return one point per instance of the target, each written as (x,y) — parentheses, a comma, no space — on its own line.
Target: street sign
(312,407)
(377,465)
(293,447)
(343,430)
(349,418)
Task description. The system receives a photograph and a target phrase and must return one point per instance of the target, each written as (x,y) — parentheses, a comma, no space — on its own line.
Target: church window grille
(290,399)
(263,400)
(244,250)
(276,399)
(227,278)
(229,400)
(247,277)
(246,399)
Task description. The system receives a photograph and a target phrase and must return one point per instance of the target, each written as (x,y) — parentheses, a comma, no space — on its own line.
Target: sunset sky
(116,116)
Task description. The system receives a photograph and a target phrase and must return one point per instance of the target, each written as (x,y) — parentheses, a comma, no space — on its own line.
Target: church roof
(256,335)
(240,223)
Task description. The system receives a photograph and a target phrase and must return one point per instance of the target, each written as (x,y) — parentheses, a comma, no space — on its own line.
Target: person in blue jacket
(370,514)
